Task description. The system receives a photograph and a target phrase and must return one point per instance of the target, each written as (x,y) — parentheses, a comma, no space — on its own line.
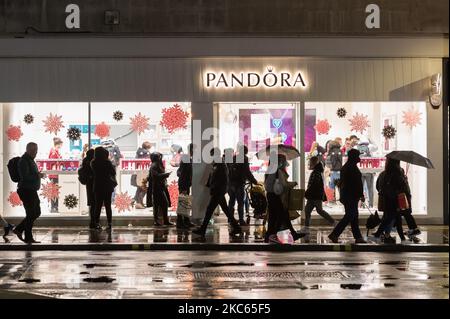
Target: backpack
(13,169)
(82,175)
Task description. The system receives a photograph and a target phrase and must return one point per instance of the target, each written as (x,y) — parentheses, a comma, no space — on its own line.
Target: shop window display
(129,131)
(375,129)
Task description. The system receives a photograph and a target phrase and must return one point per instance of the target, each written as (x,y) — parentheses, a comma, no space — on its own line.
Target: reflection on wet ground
(217,234)
(196,274)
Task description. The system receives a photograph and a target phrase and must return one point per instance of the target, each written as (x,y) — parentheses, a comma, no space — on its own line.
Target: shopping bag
(402,202)
(296,198)
(184,205)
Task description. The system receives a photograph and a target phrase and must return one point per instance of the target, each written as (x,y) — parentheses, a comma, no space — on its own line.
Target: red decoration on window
(14,133)
(173,193)
(139,123)
(174,118)
(412,118)
(102,130)
(53,123)
(359,123)
(122,202)
(50,191)
(14,199)
(322,127)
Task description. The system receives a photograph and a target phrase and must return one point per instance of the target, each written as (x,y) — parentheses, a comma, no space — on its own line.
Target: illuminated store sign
(268,79)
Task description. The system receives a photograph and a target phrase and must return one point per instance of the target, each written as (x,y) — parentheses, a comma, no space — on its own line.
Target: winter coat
(389,186)
(160,192)
(350,185)
(239,173)
(315,189)
(184,174)
(104,176)
(334,157)
(29,176)
(86,164)
(218,179)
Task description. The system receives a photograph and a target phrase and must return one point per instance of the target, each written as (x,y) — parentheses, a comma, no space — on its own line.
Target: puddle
(30,280)
(105,279)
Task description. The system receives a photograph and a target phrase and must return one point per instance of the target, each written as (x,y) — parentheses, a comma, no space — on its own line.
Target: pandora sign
(268,79)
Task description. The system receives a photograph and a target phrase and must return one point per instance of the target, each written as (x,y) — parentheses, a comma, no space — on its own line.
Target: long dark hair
(100,154)
(392,167)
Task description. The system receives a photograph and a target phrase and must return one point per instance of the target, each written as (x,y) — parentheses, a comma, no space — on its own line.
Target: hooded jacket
(351,186)
(218,179)
(315,189)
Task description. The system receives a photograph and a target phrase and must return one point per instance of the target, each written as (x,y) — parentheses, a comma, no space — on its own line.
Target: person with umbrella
(351,190)
(277,187)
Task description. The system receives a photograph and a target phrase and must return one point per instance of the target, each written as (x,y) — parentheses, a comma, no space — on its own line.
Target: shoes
(156,223)
(167,223)
(7,229)
(333,238)
(388,240)
(19,234)
(413,232)
(139,206)
(297,236)
(360,241)
(273,239)
(374,239)
(200,232)
(236,229)
(32,241)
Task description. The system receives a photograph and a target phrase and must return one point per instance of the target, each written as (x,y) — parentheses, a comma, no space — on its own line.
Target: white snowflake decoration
(412,118)
(53,123)
(359,123)
(50,191)
(139,123)
(122,202)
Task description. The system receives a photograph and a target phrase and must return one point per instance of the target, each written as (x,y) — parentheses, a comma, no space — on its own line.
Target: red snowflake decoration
(14,199)
(173,193)
(14,133)
(122,202)
(174,118)
(53,123)
(102,130)
(359,123)
(139,123)
(412,118)
(50,191)
(322,127)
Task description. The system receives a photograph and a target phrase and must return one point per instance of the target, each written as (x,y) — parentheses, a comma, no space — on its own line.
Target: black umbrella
(289,151)
(411,157)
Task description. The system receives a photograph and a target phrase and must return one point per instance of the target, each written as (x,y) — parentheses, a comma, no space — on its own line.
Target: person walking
(184,174)
(160,193)
(27,188)
(351,190)
(86,173)
(391,182)
(278,188)
(334,163)
(137,179)
(218,185)
(55,154)
(315,194)
(104,183)
(239,174)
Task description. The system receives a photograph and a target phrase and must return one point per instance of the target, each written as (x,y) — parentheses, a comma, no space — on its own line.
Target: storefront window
(130,131)
(375,128)
(257,125)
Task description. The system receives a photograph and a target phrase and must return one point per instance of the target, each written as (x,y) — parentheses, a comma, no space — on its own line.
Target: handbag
(184,205)
(296,197)
(402,202)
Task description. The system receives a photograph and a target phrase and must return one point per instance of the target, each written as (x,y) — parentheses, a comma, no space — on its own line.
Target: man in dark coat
(218,186)
(239,174)
(351,190)
(315,194)
(184,174)
(89,177)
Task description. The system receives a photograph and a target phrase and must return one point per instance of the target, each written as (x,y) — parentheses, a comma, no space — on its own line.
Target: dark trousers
(31,203)
(214,201)
(278,218)
(103,199)
(350,217)
(391,217)
(237,194)
(409,218)
(92,216)
(317,204)
(161,207)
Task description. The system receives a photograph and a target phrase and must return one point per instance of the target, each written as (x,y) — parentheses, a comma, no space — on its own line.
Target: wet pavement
(195,274)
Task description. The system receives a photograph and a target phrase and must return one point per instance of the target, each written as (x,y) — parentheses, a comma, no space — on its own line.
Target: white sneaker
(374,239)
(406,242)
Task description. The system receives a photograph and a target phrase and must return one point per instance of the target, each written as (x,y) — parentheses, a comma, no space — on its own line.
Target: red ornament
(359,123)
(14,133)
(122,202)
(412,118)
(102,130)
(14,199)
(50,191)
(174,118)
(139,123)
(53,123)
(173,192)
(322,127)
